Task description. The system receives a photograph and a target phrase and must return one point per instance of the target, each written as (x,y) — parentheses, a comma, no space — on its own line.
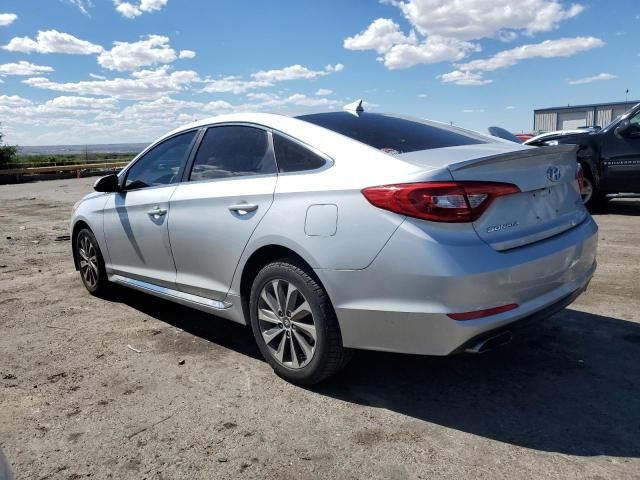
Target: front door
(620,158)
(135,220)
(213,214)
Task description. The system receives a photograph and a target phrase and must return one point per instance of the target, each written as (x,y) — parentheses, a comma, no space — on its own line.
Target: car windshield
(394,134)
(627,113)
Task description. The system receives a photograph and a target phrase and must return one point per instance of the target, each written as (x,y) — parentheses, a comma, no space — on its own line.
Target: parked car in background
(524,136)
(343,230)
(609,156)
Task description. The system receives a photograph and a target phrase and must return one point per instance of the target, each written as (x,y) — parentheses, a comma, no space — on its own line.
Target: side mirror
(623,128)
(107,184)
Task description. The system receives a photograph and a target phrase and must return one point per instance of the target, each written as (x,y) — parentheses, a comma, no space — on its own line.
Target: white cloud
(304,101)
(23,68)
(52,41)
(563,47)
(380,36)
(471,73)
(506,36)
(475,19)
(596,78)
(464,78)
(82,119)
(83,5)
(73,102)
(434,49)
(187,54)
(7,19)
(154,50)
(398,50)
(144,84)
(132,10)
(97,77)
(266,78)
(509,107)
(14,101)
(471,110)
(443,30)
(422,95)
(232,84)
(294,72)
(321,92)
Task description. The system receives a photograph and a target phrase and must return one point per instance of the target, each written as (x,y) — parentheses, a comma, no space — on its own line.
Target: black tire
(329,356)
(96,281)
(597,201)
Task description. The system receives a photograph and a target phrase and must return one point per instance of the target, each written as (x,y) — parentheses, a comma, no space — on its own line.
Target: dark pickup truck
(610,156)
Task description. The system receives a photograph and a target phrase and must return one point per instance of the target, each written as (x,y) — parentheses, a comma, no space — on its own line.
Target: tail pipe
(490,343)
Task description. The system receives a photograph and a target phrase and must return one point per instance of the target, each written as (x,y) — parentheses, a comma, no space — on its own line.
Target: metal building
(574,116)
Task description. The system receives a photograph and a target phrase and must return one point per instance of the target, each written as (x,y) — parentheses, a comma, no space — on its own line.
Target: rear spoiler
(518,154)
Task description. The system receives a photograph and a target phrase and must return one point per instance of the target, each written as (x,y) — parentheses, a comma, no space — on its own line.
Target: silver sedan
(344,230)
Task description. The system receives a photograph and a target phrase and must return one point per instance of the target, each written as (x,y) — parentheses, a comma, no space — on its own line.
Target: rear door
(620,157)
(228,190)
(549,201)
(135,219)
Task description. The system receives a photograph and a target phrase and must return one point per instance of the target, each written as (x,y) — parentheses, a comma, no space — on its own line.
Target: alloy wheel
(287,324)
(88,261)
(587,190)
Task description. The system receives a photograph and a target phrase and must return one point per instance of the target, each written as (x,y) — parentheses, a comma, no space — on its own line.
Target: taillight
(439,201)
(580,177)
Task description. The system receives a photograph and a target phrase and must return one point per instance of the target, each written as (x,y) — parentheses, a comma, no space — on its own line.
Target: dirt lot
(561,402)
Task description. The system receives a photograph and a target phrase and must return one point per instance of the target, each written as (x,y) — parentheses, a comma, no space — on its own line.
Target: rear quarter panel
(361,229)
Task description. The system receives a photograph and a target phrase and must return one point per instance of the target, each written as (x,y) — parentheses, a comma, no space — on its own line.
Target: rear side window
(293,157)
(233,151)
(393,134)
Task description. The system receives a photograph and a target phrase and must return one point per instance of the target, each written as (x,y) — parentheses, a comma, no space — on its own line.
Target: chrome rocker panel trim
(183,298)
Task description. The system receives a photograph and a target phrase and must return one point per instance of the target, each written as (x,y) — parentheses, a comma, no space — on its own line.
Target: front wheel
(90,263)
(295,325)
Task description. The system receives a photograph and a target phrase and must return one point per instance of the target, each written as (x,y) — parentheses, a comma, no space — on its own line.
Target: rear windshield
(393,134)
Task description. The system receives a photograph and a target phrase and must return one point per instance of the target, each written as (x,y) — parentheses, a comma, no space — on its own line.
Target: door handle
(243,208)
(157,212)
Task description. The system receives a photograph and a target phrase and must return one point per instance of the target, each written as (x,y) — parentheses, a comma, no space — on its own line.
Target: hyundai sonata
(344,230)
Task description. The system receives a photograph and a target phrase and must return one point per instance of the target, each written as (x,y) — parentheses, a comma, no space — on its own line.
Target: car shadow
(214,329)
(569,384)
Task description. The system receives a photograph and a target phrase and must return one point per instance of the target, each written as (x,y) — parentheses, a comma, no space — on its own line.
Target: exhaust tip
(490,343)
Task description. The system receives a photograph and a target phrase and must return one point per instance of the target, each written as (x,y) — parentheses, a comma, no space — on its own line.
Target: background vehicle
(610,157)
(343,230)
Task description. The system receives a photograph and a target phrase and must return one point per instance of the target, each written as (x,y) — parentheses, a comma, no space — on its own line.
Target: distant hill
(76,149)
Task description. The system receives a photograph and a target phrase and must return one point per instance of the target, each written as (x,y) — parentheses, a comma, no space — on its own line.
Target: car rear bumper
(400,302)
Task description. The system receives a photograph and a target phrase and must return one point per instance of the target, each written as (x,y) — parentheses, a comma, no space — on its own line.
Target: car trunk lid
(548,203)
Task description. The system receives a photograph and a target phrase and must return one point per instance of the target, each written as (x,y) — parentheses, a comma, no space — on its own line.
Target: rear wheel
(295,325)
(90,263)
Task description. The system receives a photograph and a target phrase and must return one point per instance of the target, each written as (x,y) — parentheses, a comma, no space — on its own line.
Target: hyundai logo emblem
(553,174)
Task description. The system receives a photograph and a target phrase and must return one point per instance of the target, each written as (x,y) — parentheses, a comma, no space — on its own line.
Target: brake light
(482,313)
(580,178)
(439,201)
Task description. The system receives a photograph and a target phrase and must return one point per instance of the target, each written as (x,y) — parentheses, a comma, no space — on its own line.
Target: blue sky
(107,71)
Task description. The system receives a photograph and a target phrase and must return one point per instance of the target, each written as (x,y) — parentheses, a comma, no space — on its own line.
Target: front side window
(293,157)
(233,151)
(160,165)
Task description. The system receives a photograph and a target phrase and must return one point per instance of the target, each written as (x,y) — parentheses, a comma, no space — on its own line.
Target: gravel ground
(562,401)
